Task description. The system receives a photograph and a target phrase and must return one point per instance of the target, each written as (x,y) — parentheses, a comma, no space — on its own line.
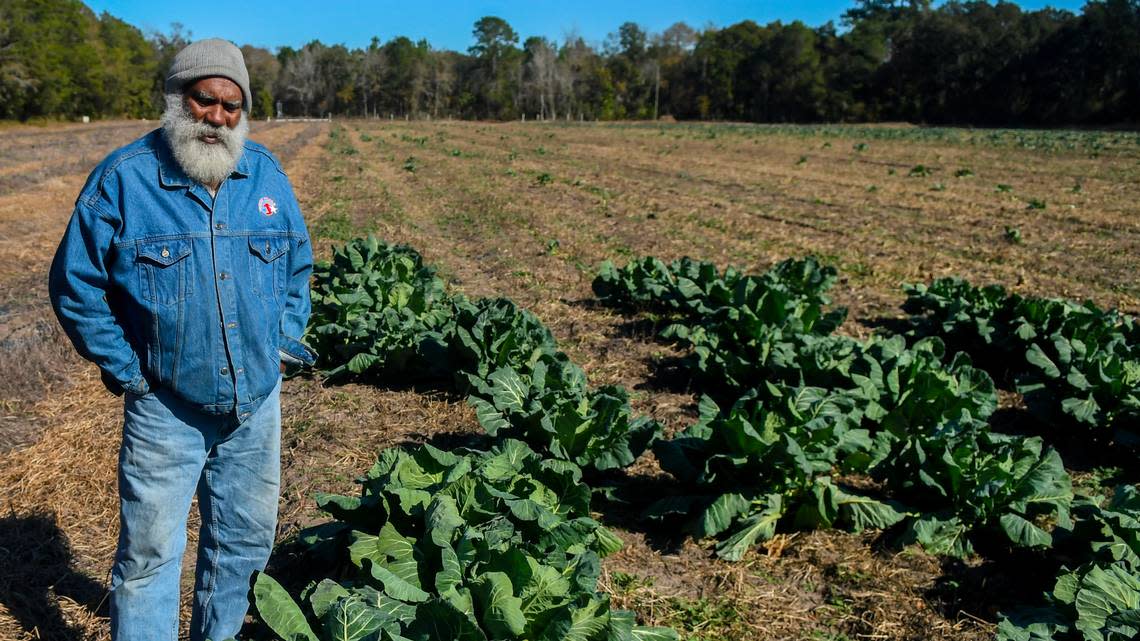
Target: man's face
(206,128)
(215,101)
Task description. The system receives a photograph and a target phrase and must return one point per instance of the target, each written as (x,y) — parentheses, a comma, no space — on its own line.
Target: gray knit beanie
(205,58)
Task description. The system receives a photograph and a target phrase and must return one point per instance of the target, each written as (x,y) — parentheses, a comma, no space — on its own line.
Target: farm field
(529,211)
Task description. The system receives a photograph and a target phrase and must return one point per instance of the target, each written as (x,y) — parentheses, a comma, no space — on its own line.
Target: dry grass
(62,488)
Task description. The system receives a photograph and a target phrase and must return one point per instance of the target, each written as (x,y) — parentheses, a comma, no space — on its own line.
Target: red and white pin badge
(267,206)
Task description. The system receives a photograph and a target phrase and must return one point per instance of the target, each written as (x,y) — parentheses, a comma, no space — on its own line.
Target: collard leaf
(607,542)
(362,362)
(353,620)
(1043,481)
(939,536)
(409,500)
(545,589)
(1033,624)
(500,611)
(451,572)
(862,512)
(1085,410)
(490,417)
(327,593)
(648,633)
(585,623)
(396,587)
(1105,592)
(1066,588)
(720,516)
(278,610)
(508,461)
(761,526)
(337,506)
(388,549)
(1024,533)
(461,599)
(442,519)
(1123,625)
(1037,357)
(391,608)
(437,619)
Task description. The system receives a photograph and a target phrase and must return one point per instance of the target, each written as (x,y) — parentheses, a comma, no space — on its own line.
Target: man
(183,274)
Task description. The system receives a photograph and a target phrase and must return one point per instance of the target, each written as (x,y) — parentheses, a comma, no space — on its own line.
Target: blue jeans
(169,452)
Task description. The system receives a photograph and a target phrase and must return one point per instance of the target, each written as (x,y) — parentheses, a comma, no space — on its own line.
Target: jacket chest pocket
(267,265)
(162,270)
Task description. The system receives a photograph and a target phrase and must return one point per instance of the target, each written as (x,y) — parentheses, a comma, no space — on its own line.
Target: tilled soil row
(899,231)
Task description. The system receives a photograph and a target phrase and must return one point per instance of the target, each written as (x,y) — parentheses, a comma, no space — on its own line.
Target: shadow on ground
(985,589)
(36,574)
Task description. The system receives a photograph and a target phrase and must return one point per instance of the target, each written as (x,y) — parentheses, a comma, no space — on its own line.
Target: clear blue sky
(447,24)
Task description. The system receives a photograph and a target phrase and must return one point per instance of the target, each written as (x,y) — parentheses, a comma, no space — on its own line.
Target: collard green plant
(376,309)
(683,286)
(769,459)
(740,327)
(465,545)
(490,333)
(1099,600)
(1076,364)
(972,483)
(552,406)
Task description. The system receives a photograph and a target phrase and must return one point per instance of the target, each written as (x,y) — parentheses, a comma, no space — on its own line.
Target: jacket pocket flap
(163,252)
(268,248)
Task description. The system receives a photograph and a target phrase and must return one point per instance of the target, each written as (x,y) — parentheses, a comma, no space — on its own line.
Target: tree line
(957,63)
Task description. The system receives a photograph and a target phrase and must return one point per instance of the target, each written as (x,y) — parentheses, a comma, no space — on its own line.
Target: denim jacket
(158,283)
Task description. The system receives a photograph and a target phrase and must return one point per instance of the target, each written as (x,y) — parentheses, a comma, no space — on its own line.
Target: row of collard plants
(465,545)
(791,408)
(379,313)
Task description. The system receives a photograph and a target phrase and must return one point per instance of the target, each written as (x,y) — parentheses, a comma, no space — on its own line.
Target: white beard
(205,163)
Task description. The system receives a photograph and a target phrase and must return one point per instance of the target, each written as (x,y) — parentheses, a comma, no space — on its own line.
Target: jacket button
(225,370)
(223,276)
(231,324)
(165,253)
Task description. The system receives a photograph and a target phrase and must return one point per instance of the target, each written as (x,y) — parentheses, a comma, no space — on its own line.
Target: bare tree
(442,77)
(369,74)
(542,75)
(302,80)
(574,62)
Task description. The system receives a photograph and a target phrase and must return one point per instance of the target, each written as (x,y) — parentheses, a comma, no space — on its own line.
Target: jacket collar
(170,173)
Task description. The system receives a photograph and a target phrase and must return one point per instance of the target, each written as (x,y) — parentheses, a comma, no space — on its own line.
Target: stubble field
(528,211)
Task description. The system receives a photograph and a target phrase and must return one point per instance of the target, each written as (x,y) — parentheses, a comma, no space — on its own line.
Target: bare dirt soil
(528,211)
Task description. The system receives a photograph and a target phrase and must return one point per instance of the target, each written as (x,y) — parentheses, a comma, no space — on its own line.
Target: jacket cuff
(294,352)
(136,385)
